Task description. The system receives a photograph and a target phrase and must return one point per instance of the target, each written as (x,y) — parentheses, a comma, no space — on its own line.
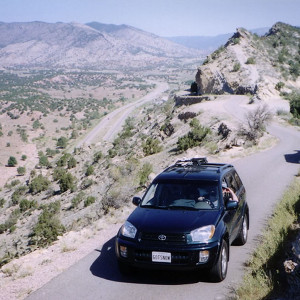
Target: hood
(172,221)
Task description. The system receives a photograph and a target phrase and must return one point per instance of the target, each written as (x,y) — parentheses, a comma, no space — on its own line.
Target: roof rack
(185,162)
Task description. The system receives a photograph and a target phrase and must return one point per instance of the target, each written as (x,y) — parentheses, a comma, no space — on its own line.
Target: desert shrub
(39,184)
(167,128)
(48,226)
(2,202)
(279,85)
(194,137)
(43,161)
(89,200)
(250,61)
(21,170)
(236,67)
(151,146)
(62,142)
(36,124)
(236,41)
(66,182)
(50,152)
(72,163)
(11,221)
(77,199)
(97,156)
(16,195)
(89,171)
(86,183)
(12,161)
(27,204)
(144,173)
(186,115)
(223,130)
(24,157)
(62,162)
(58,173)
(256,121)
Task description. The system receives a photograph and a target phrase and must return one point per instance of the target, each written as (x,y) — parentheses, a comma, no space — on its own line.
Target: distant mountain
(93,46)
(209,43)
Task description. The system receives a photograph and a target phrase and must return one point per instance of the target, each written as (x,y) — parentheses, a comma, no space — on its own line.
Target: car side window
(237,179)
(231,182)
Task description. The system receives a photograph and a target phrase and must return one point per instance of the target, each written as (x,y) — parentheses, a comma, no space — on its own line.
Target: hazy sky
(162,17)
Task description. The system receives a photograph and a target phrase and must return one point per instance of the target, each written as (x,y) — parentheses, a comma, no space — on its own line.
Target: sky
(161,17)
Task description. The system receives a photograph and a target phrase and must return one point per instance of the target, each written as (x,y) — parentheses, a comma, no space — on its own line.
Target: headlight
(128,230)
(203,234)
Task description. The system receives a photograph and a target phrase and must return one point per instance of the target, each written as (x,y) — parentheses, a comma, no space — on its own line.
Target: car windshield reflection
(189,195)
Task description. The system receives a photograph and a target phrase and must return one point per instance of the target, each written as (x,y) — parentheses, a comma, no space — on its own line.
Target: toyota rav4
(187,219)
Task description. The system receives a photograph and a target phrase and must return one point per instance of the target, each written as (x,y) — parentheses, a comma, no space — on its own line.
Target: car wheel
(241,239)
(219,270)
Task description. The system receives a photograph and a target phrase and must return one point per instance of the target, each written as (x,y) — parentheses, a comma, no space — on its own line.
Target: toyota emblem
(162,237)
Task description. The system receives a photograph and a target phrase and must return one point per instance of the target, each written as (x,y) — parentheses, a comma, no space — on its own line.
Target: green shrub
(194,137)
(12,162)
(39,184)
(72,163)
(97,156)
(21,170)
(20,191)
(24,157)
(144,173)
(77,199)
(2,202)
(62,162)
(48,226)
(279,85)
(26,204)
(67,182)
(89,200)
(89,171)
(250,61)
(58,173)
(43,161)
(236,67)
(151,146)
(62,142)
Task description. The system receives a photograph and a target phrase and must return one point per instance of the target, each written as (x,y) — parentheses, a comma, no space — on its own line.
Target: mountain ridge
(75,45)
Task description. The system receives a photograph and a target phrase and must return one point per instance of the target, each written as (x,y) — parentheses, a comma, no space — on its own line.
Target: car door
(233,217)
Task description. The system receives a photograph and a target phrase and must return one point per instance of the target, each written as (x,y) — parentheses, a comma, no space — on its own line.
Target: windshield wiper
(153,206)
(182,207)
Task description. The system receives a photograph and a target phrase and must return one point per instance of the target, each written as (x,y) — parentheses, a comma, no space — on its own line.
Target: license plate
(161,257)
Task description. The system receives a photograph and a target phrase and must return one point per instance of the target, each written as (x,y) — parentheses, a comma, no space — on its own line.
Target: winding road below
(112,123)
(266,175)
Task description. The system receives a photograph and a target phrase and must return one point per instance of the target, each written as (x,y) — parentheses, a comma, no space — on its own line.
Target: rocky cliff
(249,64)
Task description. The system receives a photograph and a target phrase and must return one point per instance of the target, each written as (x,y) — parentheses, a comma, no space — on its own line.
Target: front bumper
(183,257)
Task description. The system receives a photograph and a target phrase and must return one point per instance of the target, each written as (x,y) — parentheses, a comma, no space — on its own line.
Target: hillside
(92,46)
(261,66)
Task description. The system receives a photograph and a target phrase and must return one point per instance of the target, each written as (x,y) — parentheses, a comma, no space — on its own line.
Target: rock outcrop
(249,64)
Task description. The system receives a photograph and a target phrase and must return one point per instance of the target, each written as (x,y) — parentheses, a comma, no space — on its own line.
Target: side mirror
(231,205)
(136,201)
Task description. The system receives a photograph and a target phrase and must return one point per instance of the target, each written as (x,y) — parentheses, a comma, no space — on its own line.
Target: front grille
(164,238)
(176,257)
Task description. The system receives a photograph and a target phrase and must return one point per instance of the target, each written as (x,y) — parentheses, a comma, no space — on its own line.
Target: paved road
(266,175)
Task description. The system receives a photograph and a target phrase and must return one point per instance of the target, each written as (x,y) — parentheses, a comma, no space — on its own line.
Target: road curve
(112,123)
(266,175)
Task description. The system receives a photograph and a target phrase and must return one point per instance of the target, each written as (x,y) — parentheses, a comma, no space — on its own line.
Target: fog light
(123,251)
(203,256)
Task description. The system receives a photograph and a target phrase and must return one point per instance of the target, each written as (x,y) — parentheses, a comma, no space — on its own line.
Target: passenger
(228,193)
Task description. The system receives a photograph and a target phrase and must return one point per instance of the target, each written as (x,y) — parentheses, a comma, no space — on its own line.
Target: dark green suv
(187,219)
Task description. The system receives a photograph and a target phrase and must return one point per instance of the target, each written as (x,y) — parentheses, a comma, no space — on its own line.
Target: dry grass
(262,276)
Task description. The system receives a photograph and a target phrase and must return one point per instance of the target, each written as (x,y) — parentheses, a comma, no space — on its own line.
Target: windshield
(194,195)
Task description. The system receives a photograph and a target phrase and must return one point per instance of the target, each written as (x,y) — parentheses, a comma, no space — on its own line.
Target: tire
(242,236)
(219,271)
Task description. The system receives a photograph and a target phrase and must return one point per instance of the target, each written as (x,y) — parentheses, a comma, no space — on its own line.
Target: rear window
(195,195)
